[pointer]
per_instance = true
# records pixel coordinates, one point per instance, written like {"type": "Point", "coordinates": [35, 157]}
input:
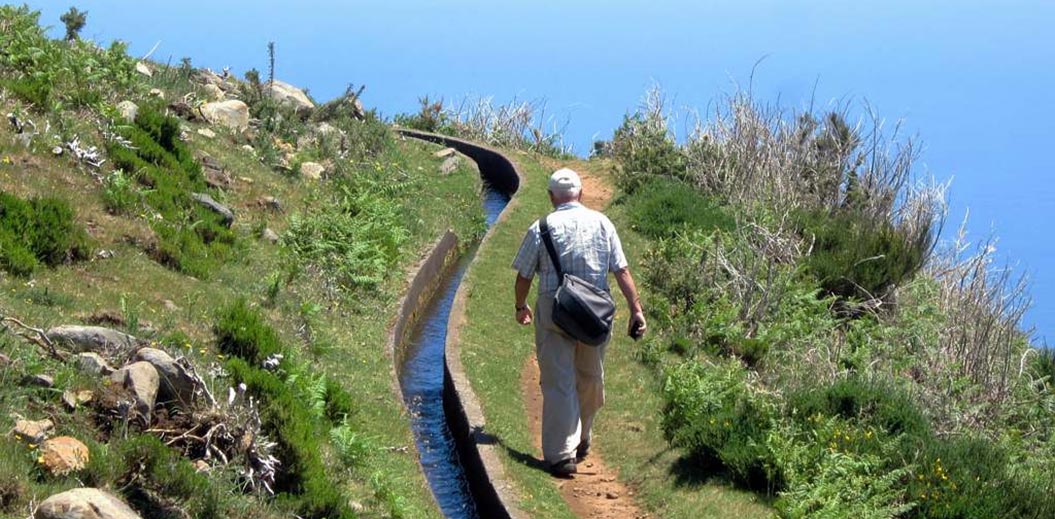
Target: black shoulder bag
{"type": "Point", "coordinates": [582, 310]}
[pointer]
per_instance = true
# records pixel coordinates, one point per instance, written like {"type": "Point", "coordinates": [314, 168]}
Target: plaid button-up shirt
{"type": "Point", "coordinates": [586, 242]}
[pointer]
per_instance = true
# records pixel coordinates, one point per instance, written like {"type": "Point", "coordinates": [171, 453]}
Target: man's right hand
{"type": "Point", "coordinates": [637, 326]}
{"type": "Point", "coordinates": [524, 315]}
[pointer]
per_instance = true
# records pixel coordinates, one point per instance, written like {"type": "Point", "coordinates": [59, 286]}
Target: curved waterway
{"type": "Point", "coordinates": [421, 377]}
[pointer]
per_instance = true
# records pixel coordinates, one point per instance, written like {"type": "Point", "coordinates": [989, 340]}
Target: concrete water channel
{"type": "Point", "coordinates": [451, 465]}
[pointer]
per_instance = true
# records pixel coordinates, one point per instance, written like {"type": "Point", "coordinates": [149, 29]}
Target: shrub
{"type": "Point", "coordinates": [865, 401]}
{"type": "Point", "coordinates": [663, 205]}
{"type": "Point", "coordinates": [431, 117]}
{"type": "Point", "coordinates": [714, 412]}
{"type": "Point", "coordinates": [242, 332]}
{"type": "Point", "coordinates": [644, 148]}
{"type": "Point", "coordinates": [856, 257]}
{"type": "Point", "coordinates": [41, 230]}
{"type": "Point", "coordinates": [191, 238]}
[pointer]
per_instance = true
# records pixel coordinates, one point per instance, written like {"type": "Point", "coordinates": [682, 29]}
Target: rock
{"type": "Point", "coordinates": [142, 380]}
{"type": "Point", "coordinates": [90, 338]}
{"type": "Point", "coordinates": [216, 175]}
{"type": "Point", "coordinates": [612, 495]}
{"type": "Point", "coordinates": [84, 503]}
{"type": "Point", "coordinates": [232, 114]}
{"type": "Point", "coordinates": [270, 236]}
{"type": "Point", "coordinates": [290, 95]}
{"type": "Point", "coordinates": [201, 465]}
{"type": "Point", "coordinates": [93, 363]}
{"type": "Point", "coordinates": [185, 111]}
{"type": "Point", "coordinates": [38, 381]}
{"type": "Point", "coordinates": [144, 69]}
{"type": "Point", "coordinates": [213, 92]}
{"type": "Point", "coordinates": [5, 361]}
{"type": "Point", "coordinates": [356, 507]}
{"type": "Point", "coordinates": [156, 92]}
{"type": "Point", "coordinates": [207, 133]}
{"type": "Point", "coordinates": [63, 455]}
{"type": "Point", "coordinates": [216, 207]}
{"type": "Point", "coordinates": [249, 149]}
{"type": "Point", "coordinates": [449, 164]}
{"type": "Point", "coordinates": [312, 170]}
{"type": "Point", "coordinates": [444, 153]}
{"type": "Point", "coordinates": [206, 77]}
{"type": "Point", "coordinates": [271, 203]}
{"type": "Point", "coordinates": [32, 432]}
{"type": "Point", "coordinates": [170, 306]}
{"type": "Point", "coordinates": [176, 383]}
{"type": "Point", "coordinates": [128, 110]}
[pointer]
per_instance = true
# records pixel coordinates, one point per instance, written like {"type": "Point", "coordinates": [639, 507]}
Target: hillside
{"type": "Point", "coordinates": [199, 273]}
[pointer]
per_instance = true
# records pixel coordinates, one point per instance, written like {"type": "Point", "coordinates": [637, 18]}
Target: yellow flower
{"type": "Point", "coordinates": [40, 459]}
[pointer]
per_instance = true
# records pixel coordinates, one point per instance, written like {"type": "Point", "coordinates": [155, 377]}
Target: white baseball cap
{"type": "Point", "coordinates": [564, 180]}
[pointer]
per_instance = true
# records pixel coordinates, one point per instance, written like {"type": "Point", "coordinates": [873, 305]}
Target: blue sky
{"type": "Point", "coordinates": [973, 79]}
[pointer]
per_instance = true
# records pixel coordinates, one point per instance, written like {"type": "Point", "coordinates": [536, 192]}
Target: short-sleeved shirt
{"type": "Point", "coordinates": [586, 242]}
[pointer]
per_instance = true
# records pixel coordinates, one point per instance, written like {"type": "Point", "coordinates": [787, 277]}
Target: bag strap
{"type": "Point", "coordinates": [548, 240]}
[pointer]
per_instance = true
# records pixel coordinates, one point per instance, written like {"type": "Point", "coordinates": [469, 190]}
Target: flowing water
{"type": "Point", "coordinates": [421, 378]}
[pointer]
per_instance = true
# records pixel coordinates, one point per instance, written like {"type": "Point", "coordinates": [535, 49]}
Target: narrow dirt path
{"type": "Point", "coordinates": [595, 491]}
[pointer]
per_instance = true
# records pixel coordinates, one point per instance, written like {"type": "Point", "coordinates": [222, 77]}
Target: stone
{"type": "Point", "coordinates": [201, 465]}
{"type": "Point", "coordinates": [206, 77]}
{"type": "Point", "coordinates": [93, 363]}
{"type": "Point", "coordinates": [157, 92]}
{"type": "Point", "coordinates": [5, 361]}
{"type": "Point", "coordinates": [90, 338]}
{"type": "Point", "coordinates": [207, 133]}
{"type": "Point", "coordinates": [38, 380]}
{"type": "Point", "coordinates": [63, 455]}
{"type": "Point", "coordinates": [214, 206]}
{"type": "Point", "coordinates": [170, 305]}
{"type": "Point", "coordinates": [185, 111]}
{"type": "Point", "coordinates": [312, 170]}
{"type": "Point", "coordinates": [449, 164]}
{"type": "Point", "coordinates": [444, 153]}
{"type": "Point", "coordinates": [271, 203]}
{"type": "Point", "coordinates": [143, 381]}
{"type": "Point", "coordinates": [144, 69]}
{"type": "Point", "coordinates": [128, 110]}
{"type": "Point", "coordinates": [248, 149]}
{"type": "Point", "coordinates": [84, 503]}
{"type": "Point", "coordinates": [216, 175]}
{"type": "Point", "coordinates": [290, 95]}
{"type": "Point", "coordinates": [270, 236]}
{"type": "Point", "coordinates": [176, 383]}
{"type": "Point", "coordinates": [32, 432]}
{"type": "Point", "coordinates": [232, 114]}
{"type": "Point", "coordinates": [213, 92]}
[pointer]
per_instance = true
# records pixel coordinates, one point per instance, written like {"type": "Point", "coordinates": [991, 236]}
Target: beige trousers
{"type": "Point", "coordinates": [572, 380]}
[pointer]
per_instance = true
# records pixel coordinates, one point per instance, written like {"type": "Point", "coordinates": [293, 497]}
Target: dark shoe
{"type": "Point", "coordinates": [563, 468]}
{"type": "Point", "coordinates": [582, 451]}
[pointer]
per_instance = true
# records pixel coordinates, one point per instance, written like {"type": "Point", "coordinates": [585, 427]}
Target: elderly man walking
{"type": "Point", "coordinates": [572, 373]}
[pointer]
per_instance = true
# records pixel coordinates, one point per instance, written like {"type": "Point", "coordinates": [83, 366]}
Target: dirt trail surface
{"type": "Point", "coordinates": [595, 491]}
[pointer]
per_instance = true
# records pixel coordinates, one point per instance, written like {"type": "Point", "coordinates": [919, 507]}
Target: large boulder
{"type": "Point", "coordinates": [176, 383]}
{"type": "Point", "coordinates": [142, 380]}
{"type": "Point", "coordinates": [232, 114]}
{"type": "Point", "coordinates": [63, 455]}
{"type": "Point", "coordinates": [90, 338]}
{"type": "Point", "coordinates": [84, 503]}
{"type": "Point", "coordinates": [214, 206]}
{"type": "Point", "coordinates": [291, 96]}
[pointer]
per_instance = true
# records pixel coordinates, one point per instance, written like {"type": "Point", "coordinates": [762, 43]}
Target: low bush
{"type": "Point", "coordinates": [856, 257]}
{"type": "Point", "coordinates": [644, 149]}
{"type": "Point", "coordinates": [713, 411]}
{"type": "Point", "coordinates": [869, 402]}
{"type": "Point", "coordinates": [40, 230]}
{"type": "Point", "coordinates": [664, 205]}
{"type": "Point", "coordinates": [191, 238]}
{"type": "Point", "coordinates": [288, 412]}
{"type": "Point", "coordinates": [242, 332]}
